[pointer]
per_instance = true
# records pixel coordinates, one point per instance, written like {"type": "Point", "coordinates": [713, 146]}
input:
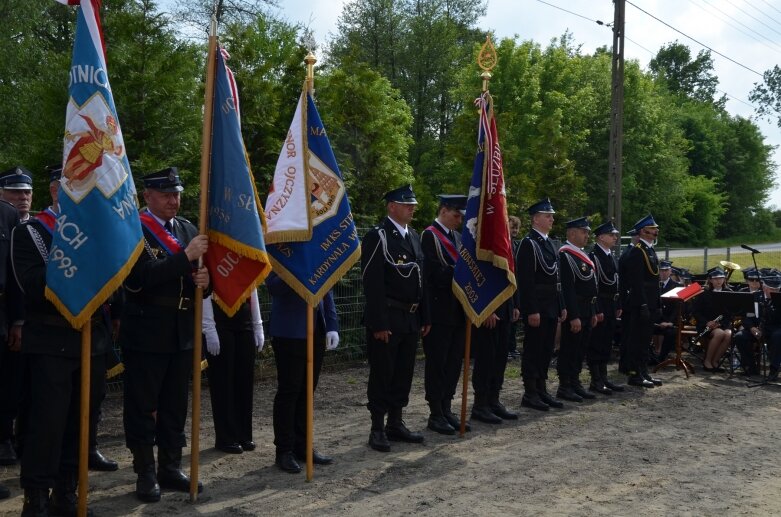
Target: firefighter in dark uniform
{"type": "Point", "coordinates": [444, 344]}
{"type": "Point", "coordinates": [579, 288]}
{"type": "Point", "coordinates": [642, 284]}
{"type": "Point", "coordinates": [623, 357]}
{"type": "Point", "coordinates": [9, 218]}
{"type": "Point", "coordinates": [665, 327]}
{"type": "Point", "coordinates": [601, 342]}
{"type": "Point", "coordinates": [52, 350]}
{"type": "Point", "coordinates": [749, 338]}
{"type": "Point", "coordinates": [541, 305]}
{"type": "Point", "coordinates": [395, 315]}
{"type": "Point", "coordinates": [156, 336]}
{"type": "Point", "coordinates": [15, 189]}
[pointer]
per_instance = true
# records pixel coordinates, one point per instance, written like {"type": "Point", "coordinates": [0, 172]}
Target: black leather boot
{"type": "Point", "coordinates": [169, 470]}
{"type": "Point", "coordinates": [606, 381]}
{"type": "Point", "coordinates": [566, 392]}
{"type": "Point", "coordinates": [498, 409]}
{"type": "Point", "coordinates": [452, 419]}
{"type": "Point", "coordinates": [545, 397]}
{"type": "Point", "coordinates": [483, 413]}
{"type": "Point", "coordinates": [64, 501]}
{"type": "Point", "coordinates": [147, 488]}
{"type": "Point", "coordinates": [397, 431]}
{"type": "Point", "coordinates": [36, 502]}
{"type": "Point", "coordinates": [377, 438]}
{"type": "Point", "coordinates": [597, 382]}
{"type": "Point", "coordinates": [100, 463]}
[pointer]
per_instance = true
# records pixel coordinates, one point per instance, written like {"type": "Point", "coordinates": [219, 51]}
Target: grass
{"type": "Point", "coordinates": [696, 263]}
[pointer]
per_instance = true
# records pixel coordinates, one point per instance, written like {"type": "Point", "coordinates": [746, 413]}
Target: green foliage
{"type": "Point", "coordinates": [767, 95]}
{"type": "Point", "coordinates": [681, 75]}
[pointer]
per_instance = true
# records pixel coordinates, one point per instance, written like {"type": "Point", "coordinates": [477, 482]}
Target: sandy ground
{"type": "Point", "coordinates": [703, 446]}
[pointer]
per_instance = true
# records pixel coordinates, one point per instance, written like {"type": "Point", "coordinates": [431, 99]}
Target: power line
{"type": "Point", "coordinates": [694, 40]}
{"type": "Point", "coordinates": [772, 6]}
{"type": "Point", "coordinates": [763, 13]}
{"type": "Point", "coordinates": [753, 17]}
{"type": "Point", "coordinates": [728, 20]}
{"type": "Point", "coordinates": [571, 12]}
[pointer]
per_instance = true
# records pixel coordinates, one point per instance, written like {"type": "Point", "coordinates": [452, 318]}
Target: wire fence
{"type": "Point", "coordinates": [349, 299]}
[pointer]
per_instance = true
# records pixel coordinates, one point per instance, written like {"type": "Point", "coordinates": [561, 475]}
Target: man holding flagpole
{"type": "Point", "coordinates": [396, 315]}
{"type": "Point", "coordinates": [156, 336]}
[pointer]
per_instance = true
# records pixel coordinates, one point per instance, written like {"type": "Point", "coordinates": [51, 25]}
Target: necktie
{"type": "Point", "coordinates": [168, 227]}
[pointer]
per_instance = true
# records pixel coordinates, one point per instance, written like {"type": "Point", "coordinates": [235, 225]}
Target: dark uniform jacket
{"type": "Point", "coordinates": [438, 270]}
{"type": "Point", "coordinates": [578, 286]}
{"type": "Point", "coordinates": [705, 310]}
{"type": "Point", "coordinates": [393, 280]}
{"type": "Point", "coordinates": [642, 277]}
{"type": "Point", "coordinates": [538, 280]}
{"type": "Point", "coordinates": [11, 304]}
{"type": "Point", "coordinates": [608, 280]}
{"type": "Point", "coordinates": [158, 313]}
{"type": "Point", "coordinates": [45, 330]}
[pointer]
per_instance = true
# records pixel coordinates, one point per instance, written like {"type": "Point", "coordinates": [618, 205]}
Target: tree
{"type": "Point", "coordinates": [674, 67]}
{"type": "Point", "coordinates": [194, 16]}
{"type": "Point", "coordinates": [767, 95]}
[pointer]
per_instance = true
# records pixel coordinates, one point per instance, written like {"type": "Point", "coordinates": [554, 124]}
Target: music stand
{"type": "Point", "coordinates": [679, 296]}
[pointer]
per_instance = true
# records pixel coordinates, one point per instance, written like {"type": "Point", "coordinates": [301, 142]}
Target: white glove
{"type": "Point", "coordinates": [331, 340]}
{"type": "Point", "coordinates": [210, 328]}
{"type": "Point", "coordinates": [260, 339]}
{"type": "Point", "coordinates": [257, 322]}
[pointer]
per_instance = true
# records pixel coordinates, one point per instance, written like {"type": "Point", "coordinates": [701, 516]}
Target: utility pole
{"type": "Point", "coordinates": [616, 118]}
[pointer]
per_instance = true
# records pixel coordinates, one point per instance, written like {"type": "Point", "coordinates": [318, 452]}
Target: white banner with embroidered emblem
{"type": "Point", "coordinates": [97, 238]}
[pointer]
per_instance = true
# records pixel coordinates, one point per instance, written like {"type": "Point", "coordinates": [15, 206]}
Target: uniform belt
{"type": "Point", "coordinates": [182, 304]}
{"type": "Point", "coordinates": [609, 296]}
{"type": "Point", "coordinates": [405, 306]}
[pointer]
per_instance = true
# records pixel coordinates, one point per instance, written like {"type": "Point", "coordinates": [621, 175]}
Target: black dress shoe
{"type": "Point", "coordinates": [455, 422]}
{"type": "Point", "coordinates": [7, 453]}
{"type": "Point", "coordinates": [287, 462]}
{"type": "Point", "coordinates": [230, 448]}
{"type": "Point", "coordinates": [498, 409]}
{"type": "Point", "coordinates": [600, 388]}
{"type": "Point", "coordinates": [439, 424]}
{"type": "Point", "coordinates": [98, 462]}
{"type": "Point", "coordinates": [175, 479]}
{"type": "Point", "coordinates": [657, 382]}
{"type": "Point", "coordinates": [398, 432]}
{"type": "Point", "coordinates": [568, 394]}
{"type": "Point", "coordinates": [147, 488]}
{"type": "Point", "coordinates": [582, 392]}
{"type": "Point", "coordinates": [317, 458]}
{"type": "Point", "coordinates": [613, 387]}
{"type": "Point", "coordinates": [549, 400]}
{"type": "Point", "coordinates": [484, 414]}
{"type": "Point", "coordinates": [636, 380]}
{"type": "Point", "coordinates": [247, 446]}
{"type": "Point", "coordinates": [378, 441]}
{"type": "Point", "coordinates": [535, 401]}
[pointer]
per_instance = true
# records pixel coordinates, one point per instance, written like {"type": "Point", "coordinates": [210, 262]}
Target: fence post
{"type": "Point", "coordinates": [667, 253]}
{"type": "Point", "coordinates": [705, 260]}
{"type": "Point", "coordinates": [729, 249]}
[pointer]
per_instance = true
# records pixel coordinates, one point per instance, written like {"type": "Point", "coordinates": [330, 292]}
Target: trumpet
{"type": "Point", "coordinates": [708, 330]}
{"type": "Point", "coordinates": [729, 267]}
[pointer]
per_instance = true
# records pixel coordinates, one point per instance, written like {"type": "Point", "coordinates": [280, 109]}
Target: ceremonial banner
{"type": "Point", "coordinates": [484, 275]}
{"type": "Point", "coordinates": [307, 211]}
{"type": "Point", "coordinates": [98, 237]}
{"type": "Point", "coordinates": [236, 258]}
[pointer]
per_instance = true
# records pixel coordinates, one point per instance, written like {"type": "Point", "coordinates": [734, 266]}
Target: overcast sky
{"type": "Point", "coordinates": [745, 31]}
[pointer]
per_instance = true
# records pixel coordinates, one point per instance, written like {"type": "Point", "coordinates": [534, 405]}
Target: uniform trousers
{"type": "Point", "coordinates": [52, 430]}
{"type": "Point", "coordinates": [391, 367]}
{"type": "Point", "coordinates": [638, 341]}
{"type": "Point", "coordinates": [290, 400]}
{"type": "Point", "coordinates": [490, 352]}
{"type": "Point", "coordinates": [600, 344]}
{"type": "Point", "coordinates": [231, 384]}
{"type": "Point", "coordinates": [572, 349]}
{"type": "Point", "coordinates": [538, 343]}
{"type": "Point", "coordinates": [11, 367]}
{"type": "Point", "coordinates": [157, 387]}
{"type": "Point", "coordinates": [444, 348]}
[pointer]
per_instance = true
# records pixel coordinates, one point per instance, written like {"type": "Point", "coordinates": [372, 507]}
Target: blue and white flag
{"type": "Point", "coordinates": [311, 235]}
{"type": "Point", "coordinates": [97, 237]}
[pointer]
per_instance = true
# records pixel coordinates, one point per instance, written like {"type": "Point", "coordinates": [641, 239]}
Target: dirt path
{"type": "Point", "coordinates": [704, 446]}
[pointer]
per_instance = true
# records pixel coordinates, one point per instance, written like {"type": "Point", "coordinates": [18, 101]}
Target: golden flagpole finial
{"type": "Point", "coordinates": [310, 60]}
{"type": "Point", "coordinates": [486, 60]}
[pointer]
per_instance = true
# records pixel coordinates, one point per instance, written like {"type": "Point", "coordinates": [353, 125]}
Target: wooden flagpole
{"type": "Point", "coordinates": [86, 350]}
{"type": "Point", "coordinates": [465, 387]}
{"type": "Point", "coordinates": [206, 142]}
{"type": "Point", "coordinates": [310, 61]}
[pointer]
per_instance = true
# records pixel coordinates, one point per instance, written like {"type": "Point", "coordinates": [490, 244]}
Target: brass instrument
{"type": "Point", "coordinates": [729, 267]}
